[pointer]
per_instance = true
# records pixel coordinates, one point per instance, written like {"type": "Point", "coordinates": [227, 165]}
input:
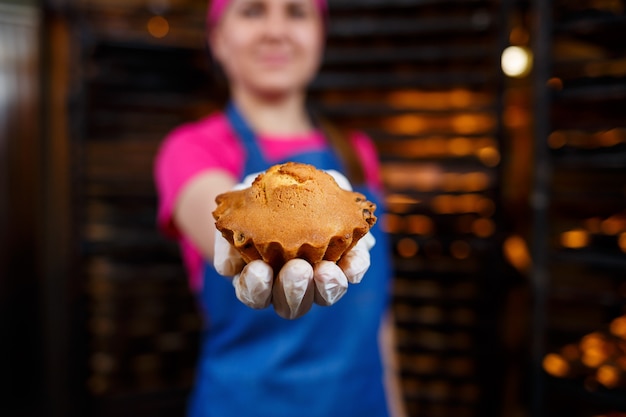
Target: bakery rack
{"type": "Point", "coordinates": [579, 198]}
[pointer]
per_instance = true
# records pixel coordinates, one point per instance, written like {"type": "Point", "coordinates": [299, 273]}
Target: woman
{"type": "Point", "coordinates": [253, 362]}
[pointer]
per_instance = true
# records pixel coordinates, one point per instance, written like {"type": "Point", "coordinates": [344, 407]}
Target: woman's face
{"type": "Point", "coordinates": [269, 47]}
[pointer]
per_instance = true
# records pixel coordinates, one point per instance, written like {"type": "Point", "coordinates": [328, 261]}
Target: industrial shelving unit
{"type": "Point", "coordinates": [579, 202]}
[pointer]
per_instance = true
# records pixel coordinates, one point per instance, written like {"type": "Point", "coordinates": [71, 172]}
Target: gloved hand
{"type": "Point", "coordinates": [298, 284]}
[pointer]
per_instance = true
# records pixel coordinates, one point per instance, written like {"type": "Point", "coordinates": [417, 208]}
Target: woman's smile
{"type": "Point", "coordinates": [269, 47]}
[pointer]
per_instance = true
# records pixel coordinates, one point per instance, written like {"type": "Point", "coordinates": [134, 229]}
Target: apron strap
{"type": "Point", "coordinates": [255, 161]}
{"type": "Point", "coordinates": [340, 155]}
{"type": "Point", "coordinates": [339, 141]}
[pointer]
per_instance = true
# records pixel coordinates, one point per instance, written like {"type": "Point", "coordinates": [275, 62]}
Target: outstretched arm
{"type": "Point", "coordinates": [196, 202]}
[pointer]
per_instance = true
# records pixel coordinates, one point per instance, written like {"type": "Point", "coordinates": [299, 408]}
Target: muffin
{"type": "Point", "coordinates": [293, 210]}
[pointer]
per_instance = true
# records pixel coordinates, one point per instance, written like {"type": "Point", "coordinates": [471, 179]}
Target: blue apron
{"type": "Point", "coordinates": [325, 364]}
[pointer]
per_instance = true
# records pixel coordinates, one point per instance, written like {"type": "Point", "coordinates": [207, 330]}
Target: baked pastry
{"type": "Point", "coordinates": [293, 210]}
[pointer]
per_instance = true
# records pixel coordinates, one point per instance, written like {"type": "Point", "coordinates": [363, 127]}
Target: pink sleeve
{"type": "Point", "coordinates": [187, 151]}
{"type": "Point", "coordinates": [368, 154]}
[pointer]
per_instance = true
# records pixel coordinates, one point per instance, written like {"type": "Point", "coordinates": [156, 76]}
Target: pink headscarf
{"type": "Point", "coordinates": [217, 8]}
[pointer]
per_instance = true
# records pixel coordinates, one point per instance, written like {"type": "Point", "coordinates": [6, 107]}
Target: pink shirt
{"type": "Point", "coordinates": [211, 144]}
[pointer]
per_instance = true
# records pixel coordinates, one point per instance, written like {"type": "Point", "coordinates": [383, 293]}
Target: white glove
{"type": "Point", "coordinates": [298, 284]}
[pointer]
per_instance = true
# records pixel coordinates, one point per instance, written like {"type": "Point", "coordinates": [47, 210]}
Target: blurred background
{"type": "Point", "coordinates": [501, 127]}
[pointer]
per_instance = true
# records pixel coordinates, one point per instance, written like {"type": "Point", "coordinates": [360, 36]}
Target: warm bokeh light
{"type": "Point", "coordinates": [593, 357]}
{"type": "Point", "coordinates": [464, 203]}
{"type": "Point", "coordinates": [485, 148]}
{"type": "Point", "coordinates": [515, 116]}
{"type": "Point", "coordinates": [407, 124]}
{"type": "Point", "coordinates": [485, 207]}
{"type": "Point", "coordinates": [489, 156]}
{"type": "Point", "coordinates": [419, 225]}
{"type": "Point", "coordinates": [555, 365]}
{"type": "Point", "coordinates": [423, 177]}
{"type": "Point", "coordinates": [392, 223]}
{"type": "Point", "coordinates": [599, 356]}
{"type": "Point", "coordinates": [460, 146]}
{"type": "Point", "coordinates": [467, 203]}
{"type": "Point", "coordinates": [399, 203]}
{"type": "Point", "coordinates": [557, 139]}
{"type": "Point", "coordinates": [516, 61]}
{"type": "Point", "coordinates": [517, 253]}
{"type": "Point", "coordinates": [443, 204]}
{"type": "Point", "coordinates": [461, 98]}
{"type": "Point", "coordinates": [451, 181]}
{"type": "Point", "coordinates": [483, 227]}
{"type": "Point", "coordinates": [434, 147]}
{"type": "Point", "coordinates": [594, 350]}
{"type": "Point", "coordinates": [407, 247]}
{"type": "Point", "coordinates": [587, 140]}
{"type": "Point", "coordinates": [610, 137]}
{"type": "Point", "coordinates": [593, 224]}
{"type": "Point", "coordinates": [475, 181]}
{"type": "Point", "coordinates": [158, 26]}
{"type": "Point", "coordinates": [416, 99]}
{"type": "Point", "coordinates": [608, 376]}
{"type": "Point", "coordinates": [555, 83]}
{"type": "Point", "coordinates": [618, 327]}
{"type": "Point", "coordinates": [592, 341]}
{"type": "Point", "coordinates": [613, 225]}
{"type": "Point", "coordinates": [575, 239]}
{"type": "Point", "coordinates": [466, 124]}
